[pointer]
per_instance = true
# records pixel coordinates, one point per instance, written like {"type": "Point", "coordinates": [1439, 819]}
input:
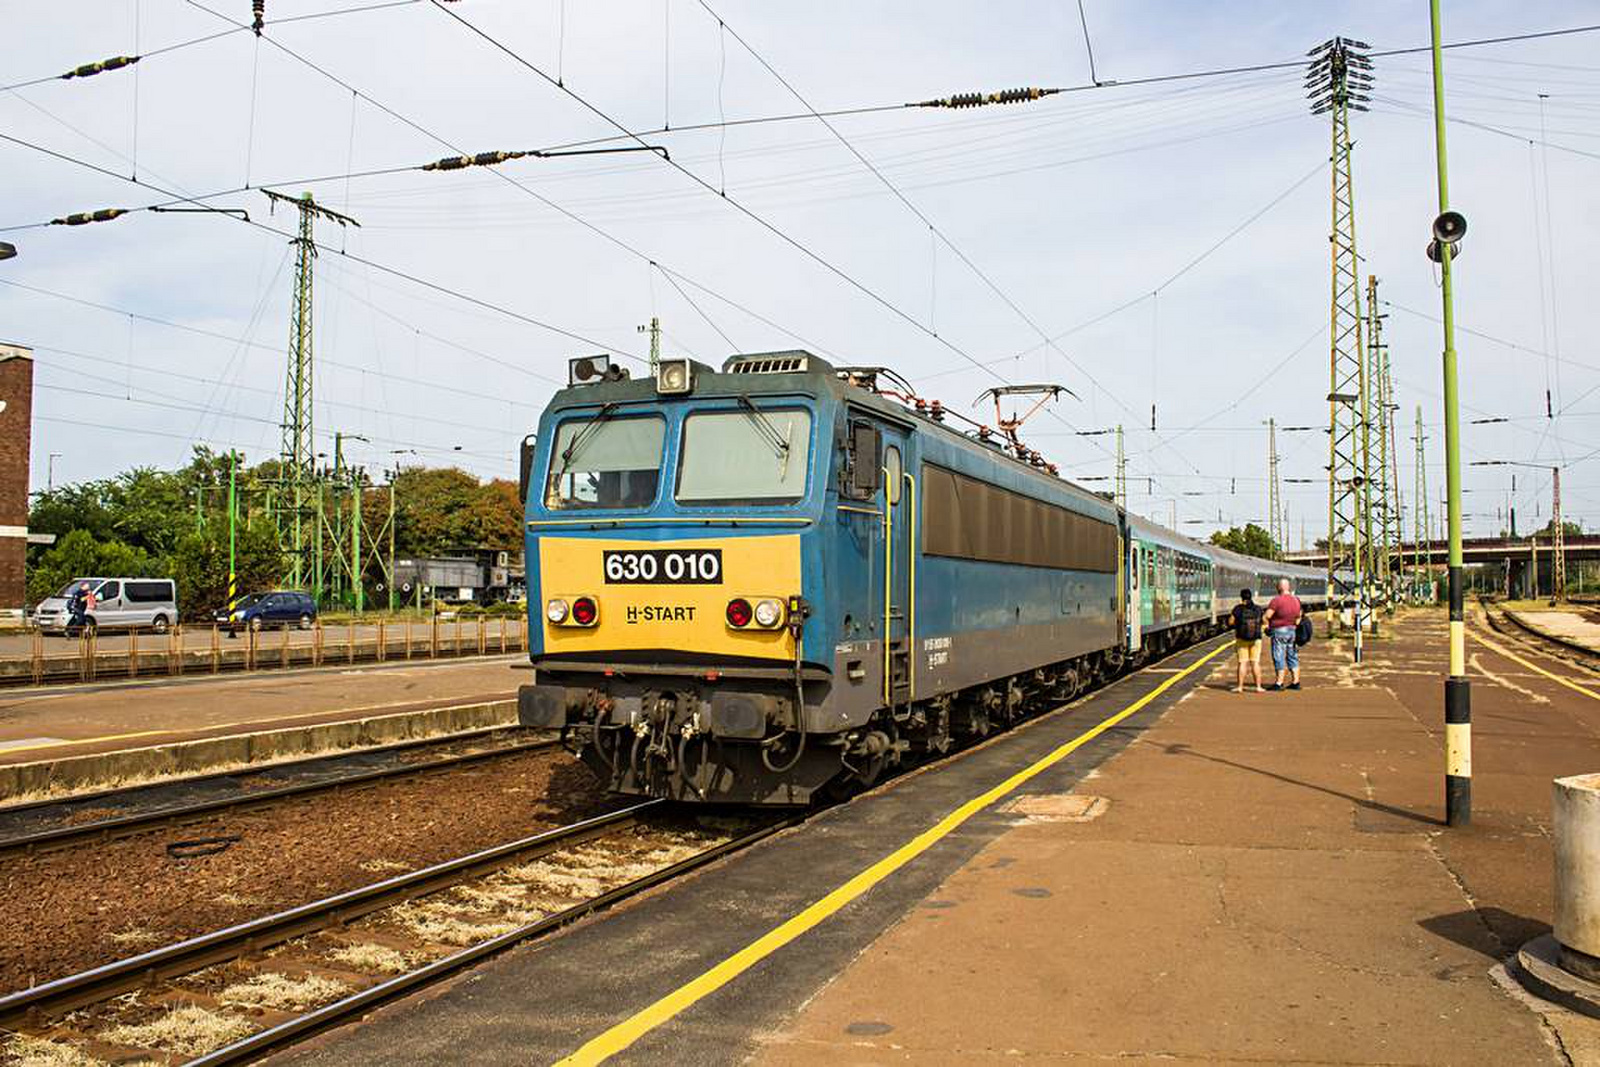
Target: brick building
{"type": "Point", "coordinates": [16, 441]}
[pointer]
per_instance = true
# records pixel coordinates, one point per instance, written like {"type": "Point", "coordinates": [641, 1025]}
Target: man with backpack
{"type": "Point", "coordinates": [1246, 621]}
{"type": "Point", "coordinates": [1282, 621]}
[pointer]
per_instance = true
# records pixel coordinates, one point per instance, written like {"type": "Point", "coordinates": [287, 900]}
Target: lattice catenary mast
{"type": "Point", "coordinates": [1277, 521]}
{"type": "Point", "coordinates": [1337, 79]}
{"type": "Point", "coordinates": [1421, 531]}
{"type": "Point", "coordinates": [1381, 523]}
{"type": "Point", "coordinates": [297, 471]}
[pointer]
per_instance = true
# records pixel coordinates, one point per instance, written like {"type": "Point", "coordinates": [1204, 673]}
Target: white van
{"type": "Point", "coordinates": [120, 604]}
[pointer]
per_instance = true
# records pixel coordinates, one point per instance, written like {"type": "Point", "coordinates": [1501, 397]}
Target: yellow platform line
{"type": "Point", "coordinates": [625, 1033]}
{"type": "Point", "coordinates": [1506, 652]}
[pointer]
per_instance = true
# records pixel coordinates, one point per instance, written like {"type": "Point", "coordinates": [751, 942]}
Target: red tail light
{"type": "Point", "coordinates": [739, 613]}
{"type": "Point", "coordinates": [584, 611]}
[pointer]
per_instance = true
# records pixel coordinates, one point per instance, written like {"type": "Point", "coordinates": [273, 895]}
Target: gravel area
{"type": "Point", "coordinates": [63, 912]}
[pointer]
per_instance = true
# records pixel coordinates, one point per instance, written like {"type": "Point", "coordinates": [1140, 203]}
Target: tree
{"type": "Point", "coordinates": [1252, 540]}
{"type": "Point", "coordinates": [199, 566]}
{"type": "Point", "coordinates": [80, 554]}
{"type": "Point", "coordinates": [446, 509]}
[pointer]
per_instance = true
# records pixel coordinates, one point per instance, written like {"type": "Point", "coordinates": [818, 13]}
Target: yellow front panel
{"type": "Point", "coordinates": [666, 616]}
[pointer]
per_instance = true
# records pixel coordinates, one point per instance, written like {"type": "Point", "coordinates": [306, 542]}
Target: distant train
{"type": "Point", "coordinates": [774, 582]}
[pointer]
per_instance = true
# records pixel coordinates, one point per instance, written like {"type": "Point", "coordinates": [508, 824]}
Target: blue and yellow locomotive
{"type": "Point", "coordinates": [763, 583]}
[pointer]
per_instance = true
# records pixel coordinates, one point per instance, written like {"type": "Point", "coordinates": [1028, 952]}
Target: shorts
{"type": "Point", "coordinates": [1285, 654]}
{"type": "Point", "coordinates": [1249, 651]}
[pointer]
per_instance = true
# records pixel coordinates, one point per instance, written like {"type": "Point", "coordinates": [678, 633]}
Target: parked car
{"type": "Point", "coordinates": [281, 607]}
{"type": "Point", "coordinates": [120, 604]}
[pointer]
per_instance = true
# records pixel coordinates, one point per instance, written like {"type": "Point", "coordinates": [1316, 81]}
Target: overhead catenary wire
{"type": "Point", "coordinates": [573, 216]}
{"type": "Point", "coordinates": [119, 62]}
{"type": "Point", "coordinates": [933, 228]}
{"type": "Point", "coordinates": [384, 268]}
{"type": "Point", "coordinates": [765, 223]}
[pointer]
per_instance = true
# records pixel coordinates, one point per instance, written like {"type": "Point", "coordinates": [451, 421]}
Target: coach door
{"type": "Point", "coordinates": [899, 499]}
{"type": "Point", "coordinates": [1134, 609]}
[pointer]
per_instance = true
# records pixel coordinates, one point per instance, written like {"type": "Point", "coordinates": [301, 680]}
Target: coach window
{"type": "Point", "coordinates": [753, 454]}
{"type": "Point", "coordinates": [891, 479]}
{"type": "Point", "coordinates": [606, 463]}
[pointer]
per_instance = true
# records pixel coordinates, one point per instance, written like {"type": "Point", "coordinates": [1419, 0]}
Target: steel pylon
{"type": "Point", "coordinates": [1337, 77]}
{"type": "Point", "coordinates": [1421, 529]}
{"type": "Point", "coordinates": [1277, 521]}
{"type": "Point", "coordinates": [299, 520]}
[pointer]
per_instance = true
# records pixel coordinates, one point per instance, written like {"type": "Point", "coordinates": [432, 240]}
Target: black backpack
{"type": "Point", "coordinates": [1303, 632]}
{"type": "Point", "coordinates": [1247, 622]}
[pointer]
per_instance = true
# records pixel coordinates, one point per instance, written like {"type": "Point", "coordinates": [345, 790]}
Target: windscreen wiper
{"type": "Point", "coordinates": [582, 437]}
{"type": "Point", "coordinates": [765, 426]}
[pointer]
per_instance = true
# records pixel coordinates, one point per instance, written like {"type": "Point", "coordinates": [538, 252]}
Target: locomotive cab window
{"type": "Point", "coordinates": [605, 462]}
{"type": "Point", "coordinates": [755, 454]}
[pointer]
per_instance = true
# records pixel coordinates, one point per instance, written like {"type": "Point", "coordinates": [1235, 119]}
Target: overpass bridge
{"type": "Point", "coordinates": [1526, 562]}
{"type": "Point", "coordinates": [1473, 550]}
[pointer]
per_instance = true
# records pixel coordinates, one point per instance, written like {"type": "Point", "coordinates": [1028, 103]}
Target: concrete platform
{"type": "Point", "coordinates": [64, 736]}
{"type": "Point", "coordinates": [1569, 627]}
{"type": "Point", "coordinates": [1218, 878]}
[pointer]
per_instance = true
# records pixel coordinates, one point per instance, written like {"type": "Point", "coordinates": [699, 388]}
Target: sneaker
{"type": "Point", "coordinates": [1273, 688]}
{"type": "Point", "coordinates": [1294, 685]}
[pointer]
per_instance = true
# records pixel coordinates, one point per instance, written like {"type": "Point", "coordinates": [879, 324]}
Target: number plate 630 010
{"type": "Point", "coordinates": [664, 566]}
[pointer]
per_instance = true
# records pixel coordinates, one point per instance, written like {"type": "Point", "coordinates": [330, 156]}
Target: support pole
{"type": "Point", "coordinates": [1457, 689]}
{"type": "Point", "coordinates": [357, 586]}
{"type": "Point", "coordinates": [233, 511]}
{"type": "Point", "coordinates": [389, 581]}
{"type": "Point", "coordinates": [1558, 558]}
{"type": "Point", "coordinates": [1121, 493]}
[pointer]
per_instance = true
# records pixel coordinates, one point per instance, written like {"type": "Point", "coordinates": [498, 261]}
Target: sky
{"type": "Point", "coordinates": [1163, 243]}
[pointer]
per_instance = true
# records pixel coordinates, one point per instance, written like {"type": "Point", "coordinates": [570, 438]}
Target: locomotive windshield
{"type": "Point", "coordinates": [754, 454]}
{"type": "Point", "coordinates": [605, 462]}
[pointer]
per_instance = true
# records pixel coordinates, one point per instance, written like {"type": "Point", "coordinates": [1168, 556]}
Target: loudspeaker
{"type": "Point", "coordinates": [1450, 226]}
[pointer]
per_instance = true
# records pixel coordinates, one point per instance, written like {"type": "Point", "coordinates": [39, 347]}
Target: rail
{"type": "Point", "coordinates": [171, 961]}
{"type": "Point", "coordinates": [174, 814]}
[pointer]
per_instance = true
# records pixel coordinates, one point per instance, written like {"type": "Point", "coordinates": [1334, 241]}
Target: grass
{"type": "Point", "coordinates": [282, 991]}
{"type": "Point", "coordinates": [446, 924]}
{"type": "Point", "coordinates": [39, 1052]}
{"type": "Point", "coordinates": [134, 937]}
{"type": "Point", "coordinates": [374, 958]}
{"type": "Point", "coordinates": [187, 1031]}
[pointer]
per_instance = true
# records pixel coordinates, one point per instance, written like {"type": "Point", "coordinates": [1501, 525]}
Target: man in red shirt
{"type": "Point", "coordinates": [1281, 619]}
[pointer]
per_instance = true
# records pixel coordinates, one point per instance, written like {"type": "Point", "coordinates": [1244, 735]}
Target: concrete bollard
{"type": "Point", "coordinates": [1575, 816]}
{"type": "Point", "coordinates": [1564, 965]}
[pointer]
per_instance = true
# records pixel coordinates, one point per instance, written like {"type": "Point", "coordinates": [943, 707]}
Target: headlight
{"type": "Point", "coordinates": [769, 613]}
{"type": "Point", "coordinates": [585, 611]}
{"type": "Point", "coordinates": [673, 377]}
{"type": "Point", "coordinates": [556, 611]}
{"type": "Point", "coordinates": [738, 613]}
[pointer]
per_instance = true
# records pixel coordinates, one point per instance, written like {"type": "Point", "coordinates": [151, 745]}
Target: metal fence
{"type": "Point", "coordinates": [172, 654]}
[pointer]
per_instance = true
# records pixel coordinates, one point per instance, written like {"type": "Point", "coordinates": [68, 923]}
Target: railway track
{"type": "Point", "coordinates": [1506, 624]}
{"type": "Point", "coordinates": [109, 814]}
{"type": "Point", "coordinates": [235, 994]}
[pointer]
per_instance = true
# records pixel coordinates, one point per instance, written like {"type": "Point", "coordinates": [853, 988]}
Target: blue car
{"type": "Point", "coordinates": [280, 608]}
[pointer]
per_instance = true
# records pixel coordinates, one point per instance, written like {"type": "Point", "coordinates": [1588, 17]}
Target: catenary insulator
{"type": "Point", "coordinates": [482, 159]}
{"type": "Point", "coordinates": [105, 214]}
{"type": "Point", "coordinates": [91, 69]}
{"type": "Point", "coordinates": [1005, 96]}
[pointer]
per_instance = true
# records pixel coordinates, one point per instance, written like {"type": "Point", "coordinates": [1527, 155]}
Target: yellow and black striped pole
{"type": "Point", "coordinates": [233, 510]}
{"type": "Point", "coordinates": [1447, 229]}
